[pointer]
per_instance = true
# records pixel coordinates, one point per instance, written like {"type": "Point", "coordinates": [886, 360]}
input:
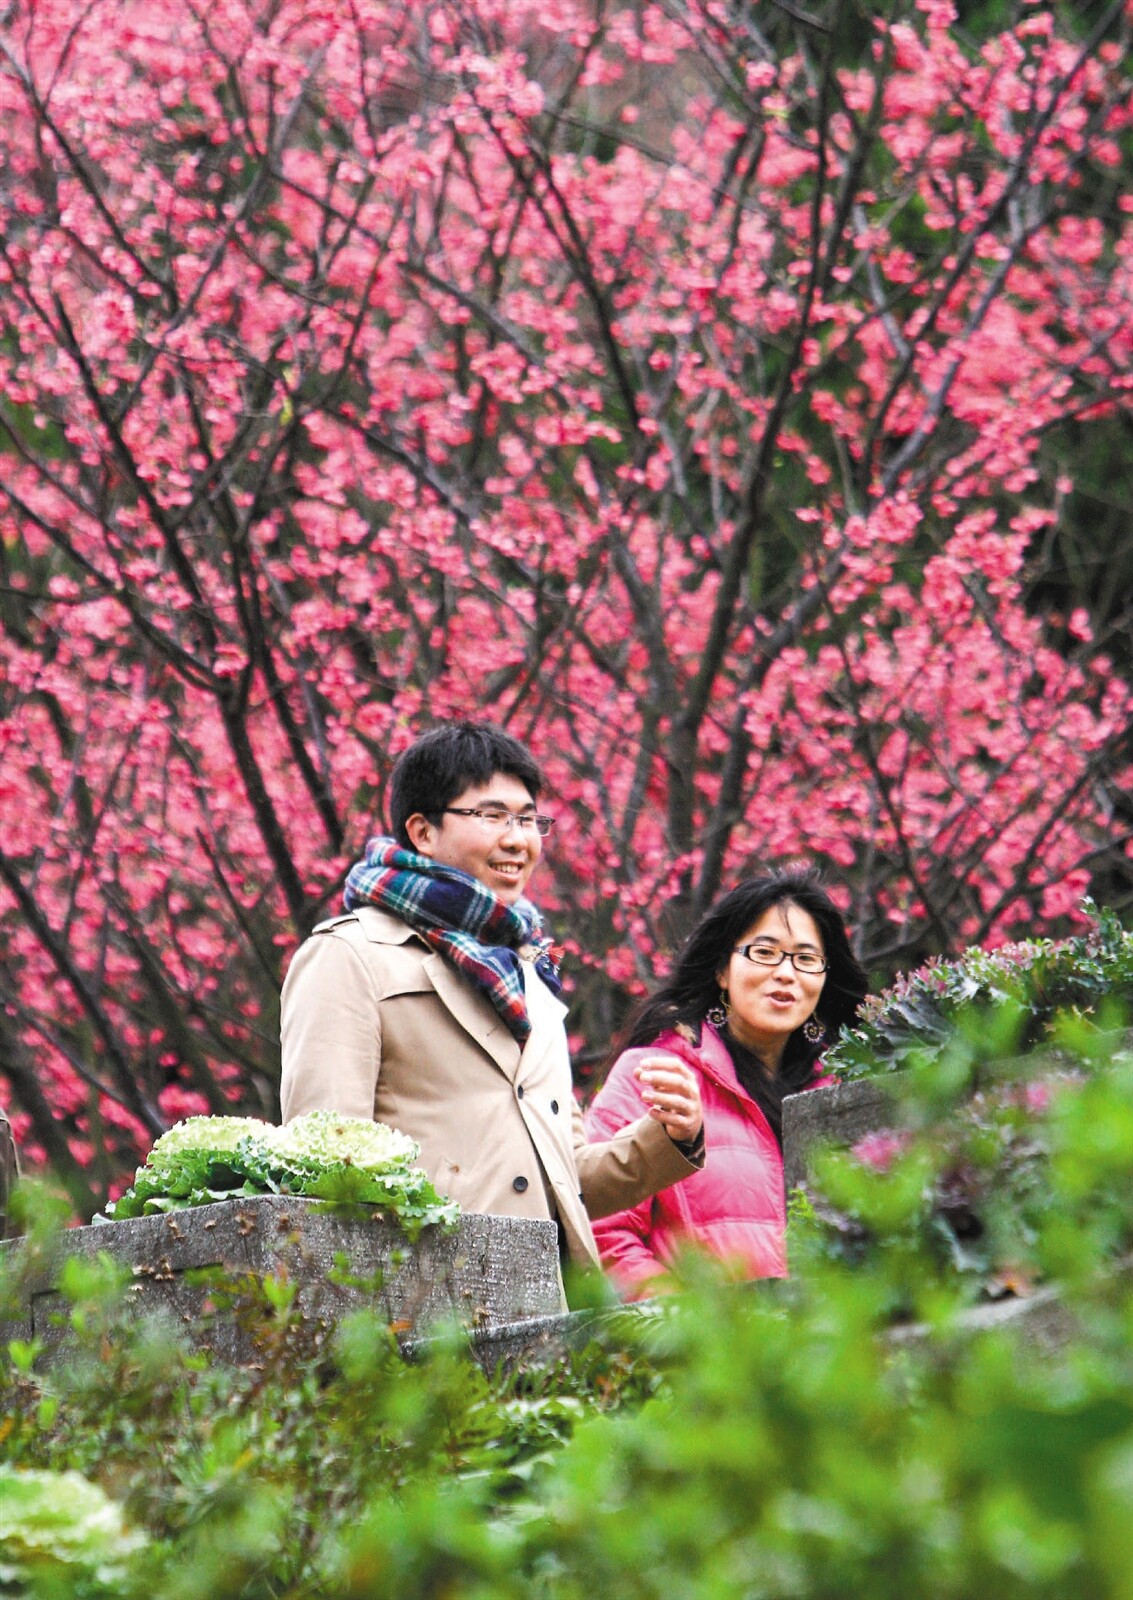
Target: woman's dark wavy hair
{"type": "Point", "coordinates": [692, 987]}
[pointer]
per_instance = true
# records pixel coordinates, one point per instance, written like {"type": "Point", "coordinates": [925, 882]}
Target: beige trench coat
{"type": "Point", "coordinates": [375, 1024]}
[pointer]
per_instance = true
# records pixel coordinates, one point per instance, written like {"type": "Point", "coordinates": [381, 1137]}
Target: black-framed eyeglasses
{"type": "Point", "coordinates": [500, 819]}
{"type": "Point", "coordinates": [770, 955]}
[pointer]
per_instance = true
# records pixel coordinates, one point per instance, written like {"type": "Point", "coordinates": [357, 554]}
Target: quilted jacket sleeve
{"type": "Point", "coordinates": [624, 1238]}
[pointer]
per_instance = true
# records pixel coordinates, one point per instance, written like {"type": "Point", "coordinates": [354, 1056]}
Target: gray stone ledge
{"type": "Point", "coordinates": [1042, 1320]}
{"type": "Point", "coordinates": [839, 1115]}
{"type": "Point", "coordinates": [534, 1342]}
{"type": "Point", "coordinates": [1043, 1323]}
{"type": "Point", "coordinates": [490, 1271]}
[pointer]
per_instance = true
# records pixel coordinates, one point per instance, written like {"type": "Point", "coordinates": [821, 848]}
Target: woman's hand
{"type": "Point", "coordinates": [671, 1091]}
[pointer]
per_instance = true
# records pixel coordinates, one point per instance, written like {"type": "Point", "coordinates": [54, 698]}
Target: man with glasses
{"type": "Point", "coordinates": [432, 1004]}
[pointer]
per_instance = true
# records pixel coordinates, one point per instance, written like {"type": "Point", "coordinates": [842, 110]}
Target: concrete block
{"type": "Point", "coordinates": [838, 1115]}
{"type": "Point", "coordinates": [491, 1271]}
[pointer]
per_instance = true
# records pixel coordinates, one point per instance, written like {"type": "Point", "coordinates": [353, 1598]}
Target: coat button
{"type": "Point", "coordinates": [555, 1107]}
{"type": "Point", "coordinates": [519, 1092]}
{"type": "Point", "coordinates": [519, 1184]}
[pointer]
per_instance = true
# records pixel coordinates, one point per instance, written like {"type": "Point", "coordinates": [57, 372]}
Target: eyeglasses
{"type": "Point", "coordinates": [499, 819]}
{"type": "Point", "coordinates": [770, 955]}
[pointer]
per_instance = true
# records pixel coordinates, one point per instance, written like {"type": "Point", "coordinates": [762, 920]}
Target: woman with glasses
{"type": "Point", "coordinates": [764, 982]}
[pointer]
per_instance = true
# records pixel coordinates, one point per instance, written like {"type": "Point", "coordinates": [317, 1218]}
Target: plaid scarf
{"type": "Point", "coordinates": [458, 916]}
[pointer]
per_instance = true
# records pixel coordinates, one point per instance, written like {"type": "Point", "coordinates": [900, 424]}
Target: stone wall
{"type": "Point", "coordinates": [9, 1170]}
{"type": "Point", "coordinates": [498, 1277]}
{"type": "Point", "coordinates": [839, 1115]}
{"type": "Point", "coordinates": [488, 1273]}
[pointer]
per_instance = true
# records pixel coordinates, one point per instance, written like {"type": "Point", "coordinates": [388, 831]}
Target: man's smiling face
{"type": "Point", "coordinates": [501, 858]}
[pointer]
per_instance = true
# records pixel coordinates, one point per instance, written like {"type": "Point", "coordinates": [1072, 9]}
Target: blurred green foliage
{"type": "Point", "coordinates": [841, 1433]}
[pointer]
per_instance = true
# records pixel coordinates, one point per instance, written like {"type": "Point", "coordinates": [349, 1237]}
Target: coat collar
{"type": "Point", "coordinates": [380, 927]}
{"type": "Point", "coordinates": [714, 1059]}
{"type": "Point", "coordinates": [711, 1056]}
{"type": "Point", "coordinates": [475, 1014]}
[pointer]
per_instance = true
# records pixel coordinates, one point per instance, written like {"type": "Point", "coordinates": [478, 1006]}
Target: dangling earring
{"type": "Point", "coordinates": [719, 1013]}
{"type": "Point", "coordinates": [813, 1031]}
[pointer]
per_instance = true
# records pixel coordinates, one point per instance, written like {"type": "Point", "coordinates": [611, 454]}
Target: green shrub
{"type": "Point", "coordinates": [243, 1476]}
{"type": "Point", "coordinates": [994, 1051]}
{"type": "Point", "coordinates": [1028, 986]}
{"type": "Point", "coordinates": [837, 1434]}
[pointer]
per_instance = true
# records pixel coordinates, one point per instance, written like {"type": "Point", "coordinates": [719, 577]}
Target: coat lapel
{"type": "Point", "coordinates": [475, 1014]}
{"type": "Point", "coordinates": [546, 1012]}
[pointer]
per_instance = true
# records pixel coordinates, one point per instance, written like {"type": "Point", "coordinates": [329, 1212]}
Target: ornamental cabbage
{"type": "Point", "coordinates": [327, 1138]}
{"type": "Point", "coordinates": [195, 1162]}
{"type": "Point", "coordinates": [1037, 979]}
{"type": "Point", "coordinates": [62, 1536]}
{"type": "Point", "coordinates": [348, 1160]}
{"type": "Point", "coordinates": [196, 1133]}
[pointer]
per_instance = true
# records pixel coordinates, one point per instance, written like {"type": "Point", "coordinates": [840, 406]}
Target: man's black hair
{"type": "Point", "coordinates": [448, 759]}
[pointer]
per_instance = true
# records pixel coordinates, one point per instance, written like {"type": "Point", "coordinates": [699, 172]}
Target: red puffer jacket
{"type": "Point", "coordinates": [734, 1208]}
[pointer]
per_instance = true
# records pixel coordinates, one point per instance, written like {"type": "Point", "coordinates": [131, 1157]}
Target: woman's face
{"type": "Point", "coordinates": [769, 1002]}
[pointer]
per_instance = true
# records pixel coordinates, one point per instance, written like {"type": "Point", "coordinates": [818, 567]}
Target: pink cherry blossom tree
{"type": "Point", "coordinates": [677, 384]}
